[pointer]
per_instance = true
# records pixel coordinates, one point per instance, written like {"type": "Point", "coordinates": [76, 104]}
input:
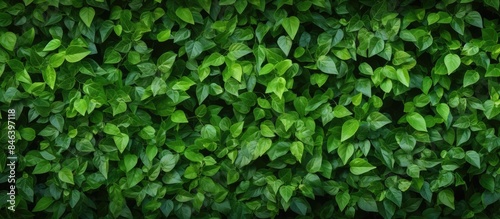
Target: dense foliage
{"type": "Point", "coordinates": [252, 108]}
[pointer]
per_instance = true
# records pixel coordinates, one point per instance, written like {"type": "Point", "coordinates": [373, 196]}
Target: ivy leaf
{"type": "Point", "coordinates": [473, 158]}
{"type": "Point", "coordinates": [360, 166]}
{"type": "Point", "coordinates": [52, 45]}
{"type": "Point", "coordinates": [447, 198]}
{"type": "Point", "coordinates": [286, 192]}
{"type": "Point", "coordinates": [291, 26]}
{"type": "Point", "coordinates": [87, 15]}
{"type": "Point", "coordinates": [76, 53]}
{"type": "Point", "coordinates": [179, 117]}
{"type": "Point", "coordinates": [416, 121]}
{"type": "Point", "coordinates": [66, 175]}
{"type": "Point", "coordinates": [452, 62]}
{"type": "Point", "coordinates": [349, 128]}
{"type": "Point", "coordinates": [8, 40]}
{"type": "Point", "coordinates": [49, 76]}
{"type": "Point", "coordinates": [185, 15]}
{"type": "Point", "coordinates": [326, 65]}
{"type": "Point", "coordinates": [43, 204]}
{"type": "Point", "coordinates": [377, 120]}
{"type": "Point", "coordinates": [297, 149]}
{"type": "Point", "coordinates": [121, 140]}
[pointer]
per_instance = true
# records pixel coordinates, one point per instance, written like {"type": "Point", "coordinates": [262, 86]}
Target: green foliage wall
{"type": "Point", "coordinates": [252, 108]}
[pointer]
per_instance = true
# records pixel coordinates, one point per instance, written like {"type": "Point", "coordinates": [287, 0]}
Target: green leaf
{"type": "Point", "coordinates": [49, 76]}
{"type": "Point", "coordinates": [473, 158]}
{"type": "Point", "coordinates": [403, 77]}
{"type": "Point", "coordinates": [185, 15]}
{"type": "Point", "coordinates": [236, 129]}
{"type": "Point", "coordinates": [52, 45]}
{"type": "Point", "coordinates": [8, 40]}
{"type": "Point", "coordinates": [76, 53]}
{"type": "Point", "coordinates": [406, 142]}
{"type": "Point", "coordinates": [342, 200]}
{"type": "Point", "coordinates": [168, 162]}
{"type": "Point", "coordinates": [375, 46]}
{"type": "Point", "coordinates": [111, 129]}
{"type": "Point", "coordinates": [42, 167]}
{"type": "Point", "coordinates": [377, 120]}
{"type": "Point", "coordinates": [291, 26]}
{"type": "Point", "coordinates": [193, 49]}
{"type": "Point", "coordinates": [130, 160]}
{"type": "Point", "coordinates": [345, 152]}
{"type": "Point", "coordinates": [349, 128]}
{"type": "Point", "coordinates": [87, 15]}
{"type": "Point", "coordinates": [286, 192]}
{"type": "Point", "coordinates": [447, 197]}
{"type": "Point", "coordinates": [297, 149]}
{"type": "Point", "coordinates": [66, 175]}
{"type": "Point", "coordinates": [121, 140]}
{"type": "Point", "coordinates": [365, 69]}
{"type": "Point", "coordinates": [163, 35]}
{"type": "Point", "coordinates": [326, 65]}
{"type": "Point", "coordinates": [493, 3]}
{"type": "Point", "coordinates": [360, 166]}
{"type": "Point", "coordinates": [474, 18]}
{"type": "Point", "coordinates": [166, 61]}
{"type": "Point", "coordinates": [416, 121]}
{"type": "Point", "coordinates": [443, 110]}
{"type": "Point", "coordinates": [43, 204]}
{"type": "Point", "coordinates": [452, 62]}
{"type": "Point", "coordinates": [285, 44]}
{"type": "Point", "coordinates": [470, 78]}
{"type": "Point", "coordinates": [81, 106]}
{"type": "Point", "coordinates": [28, 134]}
{"type": "Point", "coordinates": [277, 86]}
{"type": "Point", "coordinates": [179, 117]}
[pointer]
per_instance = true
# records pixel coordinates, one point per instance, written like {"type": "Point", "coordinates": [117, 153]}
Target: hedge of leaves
{"type": "Point", "coordinates": [252, 108]}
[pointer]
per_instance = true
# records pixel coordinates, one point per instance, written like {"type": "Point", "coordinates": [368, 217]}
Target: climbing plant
{"type": "Point", "coordinates": [250, 108]}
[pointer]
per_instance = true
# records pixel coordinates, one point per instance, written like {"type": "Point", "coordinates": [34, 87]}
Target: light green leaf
{"type": "Point", "coordinates": [49, 76]}
{"type": "Point", "coordinates": [349, 128]}
{"type": "Point", "coordinates": [403, 77]}
{"type": "Point", "coordinates": [87, 15]}
{"type": "Point", "coordinates": [447, 197]}
{"type": "Point", "coordinates": [297, 149]}
{"type": "Point", "coordinates": [360, 166]}
{"type": "Point", "coordinates": [377, 120]}
{"type": "Point", "coordinates": [81, 106]}
{"type": "Point", "coordinates": [8, 40]}
{"type": "Point", "coordinates": [416, 121]}
{"type": "Point", "coordinates": [443, 110]}
{"type": "Point", "coordinates": [277, 86]}
{"type": "Point", "coordinates": [179, 117]}
{"type": "Point", "coordinates": [163, 35]}
{"type": "Point", "coordinates": [66, 175]}
{"type": "Point", "coordinates": [76, 53]}
{"type": "Point", "coordinates": [185, 15]}
{"type": "Point", "coordinates": [345, 152]}
{"type": "Point", "coordinates": [452, 62]}
{"type": "Point", "coordinates": [121, 140]}
{"type": "Point", "coordinates": [52, 45]}
{"type": "Point", "coordinates": [291, 25]}
{"type": "Point", "coordinates": [286, 192]}
{"type": "Point", "coordinates": [236, 129]}
{"type": "Point", "coordinates": [130, 160]}
{"type": "Point", "coordinates": [470, 78]}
